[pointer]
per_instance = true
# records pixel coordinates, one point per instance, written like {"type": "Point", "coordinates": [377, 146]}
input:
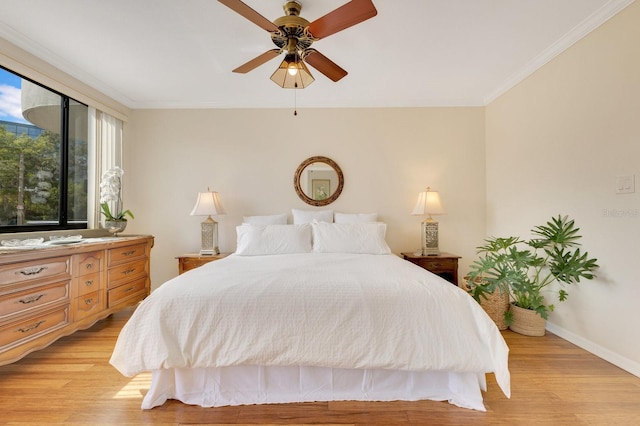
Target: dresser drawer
{"type": "Point", "coordinates": [36, 297]}
{"type": "Point", "coordinates": [87, 305]}
{"type": "Point", "coordinates": [86, 284]}
{"type": "Point", "coordinates": [87, 263]}
{"type": "Point", "coordinates": [126, 272]}
{"type": "Point", "coordinates": [34, 270]}
{"type": "Point", "coordinates": [33, 327]}
{"type": "Point", "coordinates": [127, 253]}
{"type": "Point", "coordinates": [136, 289]}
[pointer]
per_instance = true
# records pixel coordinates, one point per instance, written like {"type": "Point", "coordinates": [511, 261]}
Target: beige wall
{"type": "Point", "coordinates": [249, 157]}
{"type": "Point", "coordinates": [555, 144]}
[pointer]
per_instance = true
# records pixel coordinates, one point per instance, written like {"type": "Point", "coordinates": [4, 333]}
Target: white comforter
{"type": "Point", "coordinates": [331, 310]}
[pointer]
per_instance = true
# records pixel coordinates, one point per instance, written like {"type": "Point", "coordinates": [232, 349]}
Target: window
{"type": "Point", "coordinates": [43, 157]}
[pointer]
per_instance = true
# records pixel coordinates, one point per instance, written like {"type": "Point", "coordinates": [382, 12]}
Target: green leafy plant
{"type": "Point", "coordinates": [524, 268]}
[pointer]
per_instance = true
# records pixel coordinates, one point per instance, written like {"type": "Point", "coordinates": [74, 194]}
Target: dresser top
{"type": "Point", "coordinates": [49, 249]}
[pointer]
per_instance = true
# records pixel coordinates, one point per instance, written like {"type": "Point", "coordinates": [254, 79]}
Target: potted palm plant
{"type": "Point", "coordinates": [525, 268]}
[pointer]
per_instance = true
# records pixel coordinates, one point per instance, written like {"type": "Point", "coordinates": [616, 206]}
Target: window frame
{"type": "Point", "coordinates": [63, 205]}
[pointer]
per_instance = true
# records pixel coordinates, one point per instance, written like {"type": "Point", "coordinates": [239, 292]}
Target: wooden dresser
{"type": "Point", "coordinates": [48, 293]}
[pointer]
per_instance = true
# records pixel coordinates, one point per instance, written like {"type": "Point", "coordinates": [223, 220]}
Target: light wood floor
{"type": "Point", "coordinates": [553, 382]}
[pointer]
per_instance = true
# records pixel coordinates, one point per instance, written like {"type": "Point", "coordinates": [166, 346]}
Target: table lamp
{"type": "Point", "coordinates": [429, 204]}
{"type": "Point", "coordinates": [208, 204]}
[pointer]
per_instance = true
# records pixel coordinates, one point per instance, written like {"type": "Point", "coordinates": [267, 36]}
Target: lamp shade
{"type": "Point", "coordinates": [428, 203]}
{"type": "Point", "coordinates": [208, 204]}
{"type": "Point", "coordinates": [292, 73]}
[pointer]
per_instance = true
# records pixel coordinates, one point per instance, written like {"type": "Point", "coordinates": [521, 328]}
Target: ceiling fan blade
{"type": "Point", "coordinates": [323, 64]}
{"type": "Point", "coordinates": [257, 61]}
{"type": "Point", "coordinates": [345, 16]}
{"type": "Point", "coordinates": [244, 10]}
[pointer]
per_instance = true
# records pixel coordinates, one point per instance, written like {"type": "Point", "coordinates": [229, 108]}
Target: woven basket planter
{"type": "Point", "coordinates": [527, 322]}
{"type": "Point", "coordinates": [495, 305]}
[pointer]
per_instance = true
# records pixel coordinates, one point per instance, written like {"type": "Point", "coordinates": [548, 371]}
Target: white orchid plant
{"type": "Point", "coordinates": [111, 192]}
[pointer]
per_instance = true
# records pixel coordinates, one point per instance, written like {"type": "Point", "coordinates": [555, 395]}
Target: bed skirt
{"type": "Point", "coordinates": [248, 384]}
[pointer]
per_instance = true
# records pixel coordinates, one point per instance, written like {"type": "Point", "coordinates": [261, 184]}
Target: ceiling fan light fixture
{"type": "Point", "coordinates": [292, 73]}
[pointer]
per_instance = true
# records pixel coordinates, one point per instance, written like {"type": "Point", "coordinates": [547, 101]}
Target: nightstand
{"type": "Point", "coordinates": [193, 260]}
{"type": "Point", "coordinates": [444, 265]}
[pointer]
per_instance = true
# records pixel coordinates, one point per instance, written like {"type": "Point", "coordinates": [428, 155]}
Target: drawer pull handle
{"type": "Point", "coordinates": [129, 289]}
{"type": "Point", "coordinates": [129, 271]}
{"type": "Point", "coordinates": [88, 301]}
{"type": "Point", "coordinates": [31, 327]}
{"type": "Point", "coordinates": [89, 266]}
{"type": "Point", "coordinates": [34, 270]}
{"type": "Point", "coordinates": [129, 253]}
{"type": "Point", "coordinates": [31, 299]}
{"type": "Point", "coordinates": [88, 283]}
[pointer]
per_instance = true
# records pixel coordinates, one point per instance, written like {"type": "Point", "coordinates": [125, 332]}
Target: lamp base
{"type": "Point", "coordinates": [430, 238]}
{"type": "Point", "coordinates": [431, 252]}
{"type": "Point", "coordinates": [209, 234]}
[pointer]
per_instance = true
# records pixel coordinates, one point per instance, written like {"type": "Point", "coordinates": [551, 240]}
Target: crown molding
{"type": "Point", "coordinates": [596, 19]}
{"type": "Point", "coordinates": [33, 58]}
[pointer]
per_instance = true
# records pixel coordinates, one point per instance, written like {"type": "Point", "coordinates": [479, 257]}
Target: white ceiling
{"type": "Point", "coordinates": [180, 53]}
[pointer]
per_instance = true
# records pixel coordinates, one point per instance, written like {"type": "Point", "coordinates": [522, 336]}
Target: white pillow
{"type": "Point", "coordinates": [257, 240]}
{"type": "Point", "coordinates": [308, 216]}
{"type": "Point", "coordinates": [274, 219]}
{"type": "Point", "coordinates": [355, 217]}
{"type": "Point", "coordinates": [363, 238]}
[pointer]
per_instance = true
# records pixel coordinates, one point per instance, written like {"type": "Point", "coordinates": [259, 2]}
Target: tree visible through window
{"type": "Point", "coordinates": [43, 157]}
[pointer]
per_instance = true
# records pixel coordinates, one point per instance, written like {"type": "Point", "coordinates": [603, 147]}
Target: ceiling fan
{"type": "Point", "coordinates": [294, 35]}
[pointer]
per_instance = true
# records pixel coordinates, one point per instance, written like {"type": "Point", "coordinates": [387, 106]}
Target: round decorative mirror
{"type": "Point", "coordinates": [318, 181]}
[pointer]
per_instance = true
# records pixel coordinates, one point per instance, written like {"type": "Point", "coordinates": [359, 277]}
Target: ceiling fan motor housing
{"type": "Point", "coordinates": [291, 27]}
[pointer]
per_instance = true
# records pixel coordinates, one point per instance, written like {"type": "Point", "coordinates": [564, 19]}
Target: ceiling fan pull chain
{"type": "Point", "coordinates": [295, 98]}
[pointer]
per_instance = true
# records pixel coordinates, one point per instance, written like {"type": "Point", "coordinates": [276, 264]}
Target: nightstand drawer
{"type": "Point", "coordinates": [190, 261]}
{"type": "Point", "coordinates": [437, 265]}
{"type": "Point", "coordinates": [444, 265]}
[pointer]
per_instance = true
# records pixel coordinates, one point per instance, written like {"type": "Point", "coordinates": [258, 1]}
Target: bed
{"type": "Point", "coordinates": [311, 312]}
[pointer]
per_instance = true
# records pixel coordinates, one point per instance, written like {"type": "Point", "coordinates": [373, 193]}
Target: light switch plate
{"type": "Point", "coordinates": [625, 184]}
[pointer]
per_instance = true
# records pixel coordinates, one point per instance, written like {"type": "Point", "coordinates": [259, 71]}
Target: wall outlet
{"type": "Point", "coordinates": [625, 184]}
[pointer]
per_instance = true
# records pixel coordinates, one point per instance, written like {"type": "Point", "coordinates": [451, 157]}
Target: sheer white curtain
{"type": "Point", "coordinates": [104, 152]}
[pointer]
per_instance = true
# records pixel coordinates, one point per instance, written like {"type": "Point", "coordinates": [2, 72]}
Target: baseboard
{"type": "Point", "coordinates": [612, 357]}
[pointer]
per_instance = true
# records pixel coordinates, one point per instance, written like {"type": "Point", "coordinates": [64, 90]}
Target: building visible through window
{"type": "Point", "coordinates": [19, 129]}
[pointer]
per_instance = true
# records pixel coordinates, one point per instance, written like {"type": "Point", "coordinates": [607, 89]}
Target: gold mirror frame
{"type": "Point", "coordinates": [304, 197]}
